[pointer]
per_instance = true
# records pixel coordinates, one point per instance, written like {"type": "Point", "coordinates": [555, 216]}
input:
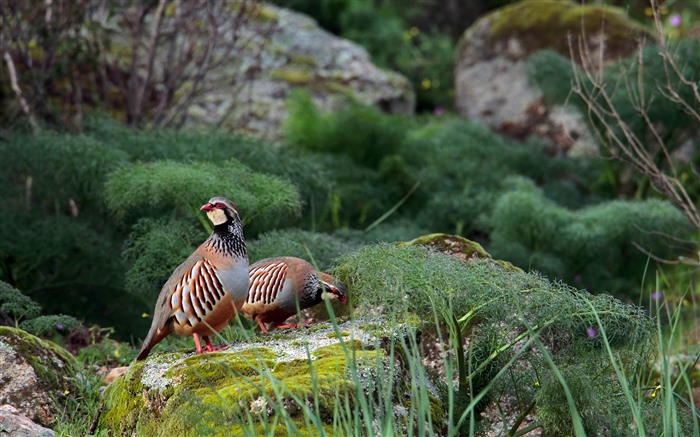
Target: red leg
{"type": "Point", "coordinates": [197, 344]}
{"type": "Point", "coordinates": [211, 348]}
{"type": "Point", "coordinates": [263, 328]}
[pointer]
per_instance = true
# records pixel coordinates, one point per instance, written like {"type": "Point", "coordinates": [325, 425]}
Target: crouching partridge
{"type": "Point", "coordinates": [278, 286]}
{"type": "Point", "coordinates": [204, 292]}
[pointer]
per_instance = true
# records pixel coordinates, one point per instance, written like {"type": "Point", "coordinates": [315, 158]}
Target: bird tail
{"type": "Point", "coordinates": [155, 335]}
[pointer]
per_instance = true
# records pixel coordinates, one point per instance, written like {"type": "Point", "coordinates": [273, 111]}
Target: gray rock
{"type": "Point", "coordinates": [491, 81]}
{"type": "Point", "coordinates": [32, 373]}
{"type": "Point", "coordinates": [15, 424]}
{"type": "Point", "coordinates": [283, 373]}
{"type": "Point", "coordinates": [278, 51]}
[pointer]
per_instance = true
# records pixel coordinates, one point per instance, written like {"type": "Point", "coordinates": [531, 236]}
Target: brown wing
{"type": "Point", "coordinates": [188, 296]}
{"type": "Point", "coordinates": [266, 281]}
{"type": "Point", "coordinates": [196, 294]}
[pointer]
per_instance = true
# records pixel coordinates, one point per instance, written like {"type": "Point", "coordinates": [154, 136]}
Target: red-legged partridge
{"type": "Point", "coordinates": [278, 286]}
{"type": "Point", "coordinates": [204, 292]}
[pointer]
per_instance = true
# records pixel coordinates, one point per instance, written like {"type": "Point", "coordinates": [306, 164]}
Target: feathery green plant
{"type": "Point", "coordinates": [498, 310]}
{"type": "Point", "coordinates": [16, 305]}
{"type": "Point", "coordinates": [317, 248]}
{"type": "Point", "coordinates": [164, 185]}
{"type": "Point", "coordinates": [154, 249]}
{"type": "Point", "coordinates": [26, 313]}
{"type": "Point", "coordinates": [593, 246]}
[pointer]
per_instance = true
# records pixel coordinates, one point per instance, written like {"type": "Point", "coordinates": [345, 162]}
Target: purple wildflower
{"type": "Point", "coordinates": [439, 110]}
{"type": "Point", "coordinates": [59, 326]}
{"type": "Point", "coordinates": [591, 332]}
{"type": "Point", "coordinates": [674, 20]}
{"type": "Point", "coordinates": [657, 295]}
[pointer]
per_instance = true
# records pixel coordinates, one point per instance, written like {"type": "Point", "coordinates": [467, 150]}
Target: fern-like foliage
{"type": "Point", "coordinates": [505, 308]}
{"type": "Point", "coordinates": [55, 169]}
{"type": "Point", "coordinates": [318, 248]}
{"type": "Point", "coordinates": [165, 185]}
{"type": "Point", "coordinates": [593, 246]}
{"type": "Point", "coordinates": [363, 133]}
{"type": "Point", "coordinates": [154, 249]}
{"type": "Point", "coordinates": [46, 325]}
{"type": "Point", "coordinates": [15, 304]}
{"type": "Point", "coordinates": [461, 167]}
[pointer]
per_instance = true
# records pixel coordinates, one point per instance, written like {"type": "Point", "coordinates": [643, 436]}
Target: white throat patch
{"type": "Point", "coordinates": [217, 216]}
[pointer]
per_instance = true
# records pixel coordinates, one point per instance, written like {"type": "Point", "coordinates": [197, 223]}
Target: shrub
{"type": "Point", "coordinates": [170, 185]}
{"type": "Point", "coordinates": [592, 247]}
{"type": "Point", "coordinates": [15, 304]}
{"type": "Point", "coordinates": [364, 133]}
{"type": "Point", "coordinates": [515, 322]}
{"type": "Point", "coordinates": [317, 248]}
{"type": "Point", "coordinates": [154, 249]}
{"type": "Point", "coordinates": [461, 167]}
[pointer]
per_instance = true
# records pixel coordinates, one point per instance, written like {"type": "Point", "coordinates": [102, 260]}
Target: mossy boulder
{"type": "Point", "coordinates": [491, 81]}
{"type": "Point", "coordinates": [457, 246]}
{"type": "Point", "coordinates": [279, 50]}
{"type": "Point", "coordinates": [283, 383]}
{"type": "Point", "coordinates": [34, 373]}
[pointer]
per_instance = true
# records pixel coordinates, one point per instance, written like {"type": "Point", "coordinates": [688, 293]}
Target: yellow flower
{"type": "Point", "coordinates": [425, 84]}
{"type": "Point", "coordinates": [537, 383]}
{"type": "Point", "coordinates": [414, 31]}
{"type": "Point", "coordinates": [657, 388]}
{"type": "Point", "coordinates": [145, 315]}
{"type": "Point", "coordinates": [66, 392]}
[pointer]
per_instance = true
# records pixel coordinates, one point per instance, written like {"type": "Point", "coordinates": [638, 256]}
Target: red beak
{"type": "Point", "coordinates": [343, 299]}
{"type": "Point", "coordinates": [206, 207]}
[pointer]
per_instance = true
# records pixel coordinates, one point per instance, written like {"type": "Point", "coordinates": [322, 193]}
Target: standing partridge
{"type": "Point", "coordinates": [278, 286]}
{"type": "Point", "coordinates": [204, 292]}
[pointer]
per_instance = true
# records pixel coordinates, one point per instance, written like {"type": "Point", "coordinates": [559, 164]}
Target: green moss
{"type": "Point", "coordinates": [302, 60]}
{"type": "Point", "coordinates": [459, 246]}
{"type": "Point", "coordinates": [124, 402]}
{"type": "Point", "coordinates": [51, 363]}
{"type": "Point", "coordinates": [294, 76]}
{"type": "Point", "coordinates": [215, 394]}
{"type": "Point", "coordinates": [450, 244]}
{"type": "Point", "coordinates": [334, 335]}
{"type": "Point", "coordinates": [540, 24]}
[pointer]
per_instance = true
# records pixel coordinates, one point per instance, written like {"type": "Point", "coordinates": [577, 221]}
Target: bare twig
{"type": "Point", "coordinates": [12, 72]}
{"type": "Point", "coordinates": [647, 154]}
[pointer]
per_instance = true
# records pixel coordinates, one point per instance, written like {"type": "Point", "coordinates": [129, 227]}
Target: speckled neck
{"type": "Point", "coordinates": [228, 240]}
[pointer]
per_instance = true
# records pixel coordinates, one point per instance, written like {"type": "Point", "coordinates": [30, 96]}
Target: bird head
{"type": "Point", "coordinates": [220, 210]}
{"type": "Point", "coordinates": [334, 288]}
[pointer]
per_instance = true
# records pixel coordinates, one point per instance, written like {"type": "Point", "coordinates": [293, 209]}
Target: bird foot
{"type": "Point", "coordinates": [212, 348]}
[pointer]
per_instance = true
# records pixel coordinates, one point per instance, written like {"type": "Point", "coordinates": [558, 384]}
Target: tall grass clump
{"type": "Point", "coordinates": [519, 336]}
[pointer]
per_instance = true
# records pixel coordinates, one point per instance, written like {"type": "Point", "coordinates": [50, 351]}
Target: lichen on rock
{"type": "Point", "coordinates": [264, 385]}
{"type": "Point", "coordinates": [33, 373]}
{"type": "Point", "coordinates": [491, 82]}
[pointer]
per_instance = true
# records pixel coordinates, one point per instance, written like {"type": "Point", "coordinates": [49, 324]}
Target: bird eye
{"type": "Point", "coordinates": [220, 206]}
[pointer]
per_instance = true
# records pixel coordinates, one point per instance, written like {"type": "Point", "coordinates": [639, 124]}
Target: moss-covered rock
{"type": "Point", "coordinates": [522, 28]}
{"type": "Point", "coordinates": [288, 383]}
{"type": "Point", "coordinates": [491, 80]}
{"type": "Point", "coordinates": [246, 91]}
{"type": "Point", "coordinates": [457, 246]}
{"type": "Point", "coordinates": [33, 374]}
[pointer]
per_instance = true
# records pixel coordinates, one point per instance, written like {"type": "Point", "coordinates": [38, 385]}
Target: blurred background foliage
{"type": "Point", "coordinates": [97, 220]}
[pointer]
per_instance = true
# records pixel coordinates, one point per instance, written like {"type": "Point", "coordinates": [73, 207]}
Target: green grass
{"type": "Point", "coordinates": [653, 396]}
